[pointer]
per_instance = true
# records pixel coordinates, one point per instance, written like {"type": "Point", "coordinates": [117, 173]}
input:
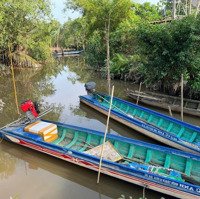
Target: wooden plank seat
{"type": "Point", "coordinates": [87, 143]}
{"type": "Point", "coordinates": [73, 140]}
{"type": "Point", "coordinates": [167, 161]}
{"type": "Point", "coordinates": [148, 156]}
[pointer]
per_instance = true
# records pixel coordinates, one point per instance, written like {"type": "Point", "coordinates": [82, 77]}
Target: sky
{"type": "Point", "coordinates": [58, 6]}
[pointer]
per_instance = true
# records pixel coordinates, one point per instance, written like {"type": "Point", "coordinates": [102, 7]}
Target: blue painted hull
{"type": "Point", "coordinates": [144, 127]}
{"type": "Point", "coordinates": [139, 177]}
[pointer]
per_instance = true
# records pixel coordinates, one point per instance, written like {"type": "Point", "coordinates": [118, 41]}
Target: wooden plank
{"type": "Point", "coordinates": [167, 161]}
{"type": "Point", "coordinates": [160, 122]}
{"type": "Point", "coordinates": [131, 151]}
{"type": "Point", "coordinates": [87, 143]}
{"type": "Point", "coordinates": [142, 113]}
{"type": "Point", "coordinates": [194, 135]}
{"type": "Point", "coordinates": [148, 156]}
{"type": "Point", "coordinates": [134, 112]}
{"type": "Point", "coordinates": [170, 126]}
{"type": "Point", "coordinates": [188, 167]}
{"type": "Point", "coordinates": [127, 109]}
{"type": "Point", "coordinates": [181, 132]}
{"type": "Point", "coordinates": [150, 118]}
{"type": "Point", "coordinates": [73, 141]}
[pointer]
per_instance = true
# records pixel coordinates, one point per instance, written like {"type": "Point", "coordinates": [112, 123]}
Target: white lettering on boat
{"type": "Point", "coordinates": [175, 184]}
{"type": "Point", "coordinates": [160, 132]}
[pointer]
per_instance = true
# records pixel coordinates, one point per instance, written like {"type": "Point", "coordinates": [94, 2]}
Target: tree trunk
{"type": "Point", "coordinates": [108, 53]}
{"type": "Point", "coordinates": [174, 10]}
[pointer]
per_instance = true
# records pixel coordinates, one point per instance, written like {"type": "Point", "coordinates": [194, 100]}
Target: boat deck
{"type": "Point", "coordinates": [177, 129]}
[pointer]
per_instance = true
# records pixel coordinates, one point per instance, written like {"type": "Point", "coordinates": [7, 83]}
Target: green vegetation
{"type": "Point", "coordinates": [124, 34]}
{"type": "Point", "coordinates": [27, 30]}
{"type": "Point", "coordinates": [119, 37]}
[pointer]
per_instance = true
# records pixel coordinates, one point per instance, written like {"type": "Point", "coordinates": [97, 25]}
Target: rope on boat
{"type": "Point", "coordinates": [114, 106]}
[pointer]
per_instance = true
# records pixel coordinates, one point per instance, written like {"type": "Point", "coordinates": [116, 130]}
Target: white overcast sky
{"type": "Point", "coordinates": [58, 5]}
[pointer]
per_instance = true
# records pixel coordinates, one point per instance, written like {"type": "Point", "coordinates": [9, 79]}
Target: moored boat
{"type": "Point", "coordinates": [190, 107]}
{"type": "Point", "coordinates": [158, 168]}
{"type": "Point", "coordinates": [158, 126]}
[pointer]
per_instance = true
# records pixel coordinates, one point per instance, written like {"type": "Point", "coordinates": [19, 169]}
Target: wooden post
{"type": "Point", "coordinates": [104, 139]}
{"type": "Point", "coordinates": [108, 52]}
{"type": "Point", "coordinates": [197, 10]}
{"type": "Point", "coordinates": [182, 97]}
{"type": "Point", "coordinates": [139, 93]}
{"type": "Point", "coordinates": [190, 7]}
{"type": "Point", "coordinates": [170, 111]}
{"type": "Point", "coordinates": [174, 10]}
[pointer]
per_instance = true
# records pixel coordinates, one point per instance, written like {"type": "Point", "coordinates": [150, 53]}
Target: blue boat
{"type": "Point", "coordinates": [163, 128]}
{"type": "Point", "coordinates": [162, 169]}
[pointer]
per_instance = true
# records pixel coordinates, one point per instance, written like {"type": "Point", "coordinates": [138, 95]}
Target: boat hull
{"type": "Point", "coordinates": [139, 129]}
{"type": "Point", "coordinates": [175, 108]}
{"type": "Point", "coordinates": [142, 127]}
{"type": "Point", "coordinates": [146, 180]}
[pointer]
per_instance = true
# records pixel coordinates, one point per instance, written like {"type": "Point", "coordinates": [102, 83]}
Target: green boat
{"type": "Point", "coordinates": [162, 169]}
{"type": "Point", "coordinates": [158, 126]}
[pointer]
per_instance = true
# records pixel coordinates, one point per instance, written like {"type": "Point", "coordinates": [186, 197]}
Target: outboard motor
{"type": "Point", "coordinates": [90, 87]}
{"type": "Point", "coordinates": [31, 109]}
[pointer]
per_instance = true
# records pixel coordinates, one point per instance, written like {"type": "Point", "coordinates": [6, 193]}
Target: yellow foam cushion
{"type": "Point", "coordinates": [46, 130]}
{"type": "Point", "coordinates": [50, 138]}
{"type": "Point", "coordinates": [40, 127]}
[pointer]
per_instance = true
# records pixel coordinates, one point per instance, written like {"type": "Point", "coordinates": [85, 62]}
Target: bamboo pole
{"type": "Point", "coordinates": [190, 7]}
{"type": "Point", "coordinates": [108, 53]}
{"type": "Point", "coordinates": [104, 139]}
{"type": "Point", "coordinates": [197, 10]}
{"type": "Point", "coordinates": [13, 80]}
{"type": "Point", "coordinates": [170, 111]}
{"type": "Point", "coordinates": [139, 93]}
{"type": "Point", "coordinates": [174, 10]}
{"type": "Point", "coordinates": [182, 97]}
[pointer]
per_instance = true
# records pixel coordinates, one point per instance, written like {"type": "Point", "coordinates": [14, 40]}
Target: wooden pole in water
{"type": "Point", "coordinates": [106, 131]}
{"type": "Point", "coordinates": [170, 111]}
{"type": "Point", "coordinates": [182, 97]}
{"type": "Point", "coordinates": [139, 93]}
{"type": "Point", "coordinates": [108, 53]}
{"type": "Point", "coordinates": [174, 10]}
{"type": "Point", "coordinates": [13, 80]}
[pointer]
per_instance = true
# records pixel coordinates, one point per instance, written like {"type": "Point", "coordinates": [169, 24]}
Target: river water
{"type": "Point", "coordinates": [27, 174]}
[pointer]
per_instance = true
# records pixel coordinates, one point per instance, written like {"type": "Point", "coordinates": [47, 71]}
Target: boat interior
{"type": "Point", "coordinates": [171, 126]}
{"type": "Point", "coordinates": [160, 162]}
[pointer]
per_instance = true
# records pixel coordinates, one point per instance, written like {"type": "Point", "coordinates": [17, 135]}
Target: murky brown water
{"type": "Point", "coordinates": [26, 174]}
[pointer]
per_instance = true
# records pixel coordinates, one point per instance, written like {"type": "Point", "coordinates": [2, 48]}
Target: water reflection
{"type": "Point", "coordinates": [30, 172]}
{"type": "Point", "coordinates": [41, 176]}
{"type": "Point", "coordinates": [7, 165]}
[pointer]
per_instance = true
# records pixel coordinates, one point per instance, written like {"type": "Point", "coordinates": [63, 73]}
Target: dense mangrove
{"type": "Point", "coordinates": [122, 39]}
{"type": "Point", "coordinates": [140, 49]}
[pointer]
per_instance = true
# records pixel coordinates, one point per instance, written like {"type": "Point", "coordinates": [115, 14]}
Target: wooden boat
{"type": "Point", "coordinates": [162, 169]}
{"type": "Point", "coordinates": [190, 107]}
{"type": "Point", "coordinates": [158, 126]}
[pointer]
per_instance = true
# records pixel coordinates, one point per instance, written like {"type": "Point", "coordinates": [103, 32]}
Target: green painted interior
{"type": "Point", "coordinates": [174, 128]}
{"type": "Point", "coordinates": [83, 141]}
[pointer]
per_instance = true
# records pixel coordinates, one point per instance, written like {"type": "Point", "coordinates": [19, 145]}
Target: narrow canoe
{"type": "Point", "coordinates": [162, 169]}
{"type": "Point", "coordinates": [158, 126]}
{"type": "Point", "coordinates": [190, 107]}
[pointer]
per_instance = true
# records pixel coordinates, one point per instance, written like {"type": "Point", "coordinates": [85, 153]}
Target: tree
{"type": "Point", "coordinates": [171, 50]}
{"type": "Point", "coordinates": [103, 15]}
{"type": "Point", "coordinates": [21, 25]}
